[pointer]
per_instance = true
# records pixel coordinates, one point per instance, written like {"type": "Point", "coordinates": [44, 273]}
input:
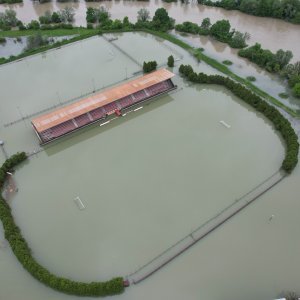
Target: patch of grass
{"type": "Point", "coordinates": [227, 62]}
{"type": "Point", "coordinates": [283, 95]}
{"type": "Point", "coordinates": [52, 32]}
{"type": "Point", "coordinates": [251, 78]}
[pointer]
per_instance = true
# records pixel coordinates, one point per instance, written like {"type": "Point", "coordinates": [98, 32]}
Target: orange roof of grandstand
{"type": "Point", "coordinates": [99, 99]}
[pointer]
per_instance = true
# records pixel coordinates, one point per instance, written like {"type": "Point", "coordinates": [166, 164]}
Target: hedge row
{"type": "Point", "coordinates": [281, 123]}
{"type": "Point", "coordinates": [23, 253]}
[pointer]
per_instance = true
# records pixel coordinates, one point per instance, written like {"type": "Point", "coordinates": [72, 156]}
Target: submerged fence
{"type": "Point", "coordinates": [122, 51]}
{"type": "Point", "coordinates": [202, 231]}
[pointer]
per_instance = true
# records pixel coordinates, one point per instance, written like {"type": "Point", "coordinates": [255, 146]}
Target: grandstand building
{"type": "Point", "coordinates": [99, 106]}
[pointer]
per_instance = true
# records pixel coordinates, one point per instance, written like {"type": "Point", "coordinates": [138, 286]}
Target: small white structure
{"type": "Point", "coordinates": [271, 217]}
{"type": "Point", "coordinates": [104, 123]}
{"type": "Point", "coordinates": [225, 124]}
{"type": "Point", "coordinates": [79, 203]}
{"type": "Point", "coordinates": [138, 108]}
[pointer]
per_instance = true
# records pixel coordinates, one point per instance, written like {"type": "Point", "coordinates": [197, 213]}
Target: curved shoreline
{"type": "Point", "coordinates": [22, 251]}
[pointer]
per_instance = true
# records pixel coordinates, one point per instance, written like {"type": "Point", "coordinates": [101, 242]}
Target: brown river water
{"type": "Point", "coordinates": [271, 33]}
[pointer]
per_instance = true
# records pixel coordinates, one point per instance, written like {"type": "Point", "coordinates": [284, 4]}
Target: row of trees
{"type": "Point", "coordinates": [97, 15]}
{"type": "Point", "coordinates": [62, 19]}
{"type": "Point", "coordinates": [280, 123]}
{"type": "Point", "coordinates": [10, 1]}
{"type": "Point", "coordinates": [23, 253]}
{"type": "Point", "coordinates": [149, 66]}
{"type": "Point", "coordinates": [291, 73]}
{"type": "Point", "coordinates": [161, 20]}
{"type": "Point", "coordinates": [65, 15]}
{"type": "Point", "coordinates": [8, 19]}
{"type": "Point", "coordinates": [152, 65]}
{"type": "Point", "coordinates": [221, 30]}
{"type": "Point", "coordinates": [288, 10]}
{"type": "Point", "coordinates": [272, 62]}
{"type": "Point", "coordinates": [276, 63]}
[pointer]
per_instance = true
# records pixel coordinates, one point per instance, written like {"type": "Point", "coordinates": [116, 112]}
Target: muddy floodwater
{"type": "Point", "coordinates": [269, 82]}
{"type": "Point", "coordinates": [271, 33]}
{"type": "Point", "coordinates": [146, 180]}
{"type": "Point", "coordinates": [15, 46]}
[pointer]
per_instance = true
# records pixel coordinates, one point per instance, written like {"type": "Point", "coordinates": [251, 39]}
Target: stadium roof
{"type": "Point", "coordinates": [100, 99]}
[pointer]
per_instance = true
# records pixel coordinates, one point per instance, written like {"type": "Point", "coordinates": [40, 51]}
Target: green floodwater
{"type": "Point", "coordinates": [146, 179]}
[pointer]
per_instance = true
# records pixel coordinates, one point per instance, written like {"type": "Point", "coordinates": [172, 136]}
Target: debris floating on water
{"type": "Point", "coordinates": [79, 203]}
{"type": "Point", "coordinates": [225, 124]}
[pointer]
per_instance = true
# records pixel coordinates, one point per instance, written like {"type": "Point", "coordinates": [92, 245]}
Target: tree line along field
{"type": "Point", "coordinates": [287, 10]}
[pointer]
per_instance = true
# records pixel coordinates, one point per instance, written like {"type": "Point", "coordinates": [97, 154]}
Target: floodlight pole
{"type": "Point", "coordinates": [94, 88]}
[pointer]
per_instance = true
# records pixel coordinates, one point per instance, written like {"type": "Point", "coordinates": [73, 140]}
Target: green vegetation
{"type": "Point", "coordinates": [292, 73]}
{"type": "Point", "coordinates": [98, 15]}
{"type": "Point", "coordinates": [171, 61]}
{"type": "Point", "coordinates": [143, 24]}
{"type": "Point", "coordinates": [143, 15]}
{"type": "Point", "coordinates": [63, 1]}
{"type": "Point", "coordinates": [34, 24]}
{"type": "Point", "coordinates": [296, 90]}
{"type": "Point", "coordinates": [161, 20]}
{"type": "Point", "coordinates": [188, 27]}
{"type": "Point", "coordinates": [275, 63]}
{"type": "Point", "coordinates": [221, 31]}
{"type": "Point", "coordinates": [2, 40]}
{"type": "Point", "coordinates": [288, 10]}
{"type": "Point", "coordinates": [222, 68]}
{"type": "Point", "coordinates": [251, 78]}
{"type": "Point", "coordinates": [8, 19]}
{"type": "Point", "coordinates": [227, 62]}
{"type": "Point", "coordinates": [293, 80]}
{"type": "Point", "coordinates": [64, 16]}
{"type": "Point", "coordinates": [36, 41]}
{"type": "Point", "coordinates": [238, 39]}
{"type": "Point", "coordinates": [54, 30]}
{"type": "Point", "coordinates": [94, 0]}
{"type": "Point", "coordinates": [10, 1]}
{"type": "Point", "coordinates": [280, 123]}
{"type": "Point", "coordinates": [149, 66]}
{"type": "Point", "coordinates": [23, 253]}
{"type": "Point", "coordinates": [283, 95]}
{"type": "Point", "coordinates": [272, 62]}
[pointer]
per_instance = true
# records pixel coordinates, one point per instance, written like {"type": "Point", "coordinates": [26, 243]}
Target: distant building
{"type": "Point", "coordinates": [97, 107]}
